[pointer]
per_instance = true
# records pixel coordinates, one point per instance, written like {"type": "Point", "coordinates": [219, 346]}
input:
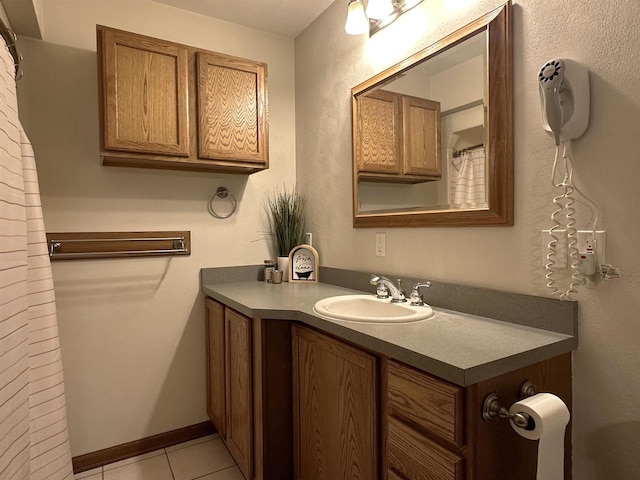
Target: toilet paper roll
{"type": "Point", "coordinates": [551, 417]}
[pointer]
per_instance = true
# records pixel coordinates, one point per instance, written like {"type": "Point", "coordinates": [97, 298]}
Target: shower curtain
{"type": "Point", "coordinates": [34, 442]}
{"type": "Point", "coordinates": [468, 179]}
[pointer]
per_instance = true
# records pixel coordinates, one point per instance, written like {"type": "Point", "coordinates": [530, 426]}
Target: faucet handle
{"type": "Point", "coordinates": [416, 297]}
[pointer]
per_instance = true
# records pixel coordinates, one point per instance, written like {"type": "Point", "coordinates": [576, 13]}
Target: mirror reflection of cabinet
{"type": "Point", "coordinates": [469, 74]}
{"type": "Point", "coordinates": [398, 138]}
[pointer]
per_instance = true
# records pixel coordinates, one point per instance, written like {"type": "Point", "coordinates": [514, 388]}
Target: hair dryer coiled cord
{"type": "Point", "coordinates": [565, 202]}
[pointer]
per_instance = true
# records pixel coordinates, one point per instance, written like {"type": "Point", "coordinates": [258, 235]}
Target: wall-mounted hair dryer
{"type": "Point", "coordinates": [564, 98]}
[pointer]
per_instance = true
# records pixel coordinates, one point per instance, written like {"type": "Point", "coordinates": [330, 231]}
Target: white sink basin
{"type": "Point", "coordinates": [370, 309]}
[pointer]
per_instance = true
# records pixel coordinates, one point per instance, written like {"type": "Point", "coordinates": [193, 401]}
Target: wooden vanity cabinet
{"type": "Point", "coordinates": [335, 409]}
{"type": "Point", "coordinates": [358, 415]}
{"type": "Point", "coordinates": [171, 106]}
{"type": "Point", "coordinates": [433, 430]}
{"type": "Point", "coordinates": [397, 138]}
{"type": "Point", "coordinates": [249, 390]}
{"type": "Point", "coordinates": [216, 365]}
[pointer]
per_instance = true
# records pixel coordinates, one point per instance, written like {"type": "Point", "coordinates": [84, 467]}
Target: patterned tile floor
{"type": "Point", "coordinates": [205, 458]}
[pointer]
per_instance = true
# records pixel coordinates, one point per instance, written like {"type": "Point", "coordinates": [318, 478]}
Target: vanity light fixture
{"type": "Point", "coordinates": [379, 14]}
{"type": "Point", "coordinates": [357, 21]}
{"type": "Point", "coordinates": [379, 9]}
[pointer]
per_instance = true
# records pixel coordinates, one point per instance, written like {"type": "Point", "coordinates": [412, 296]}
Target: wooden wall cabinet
{"type": "Point", "coordinates": [166, 105]}
{"type": "Point", "coordinates": [335, 409]}
{"type": "Point", "coordinates": [397, 138]}
{"type": "Point", "coordinates": [249, 390]}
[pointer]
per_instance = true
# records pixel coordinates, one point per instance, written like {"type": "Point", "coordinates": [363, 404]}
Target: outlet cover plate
{"type": "Point", "coordinates": [585, 239]}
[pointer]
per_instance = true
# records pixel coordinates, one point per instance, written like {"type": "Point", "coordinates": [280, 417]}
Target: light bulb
{"type": "Point", "coordinates": [379, 9]}
{"type": "Point", "coordinates": [357, 22]}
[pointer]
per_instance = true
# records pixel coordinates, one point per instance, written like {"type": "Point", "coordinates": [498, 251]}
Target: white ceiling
{"type": "Point", "coordinates": [284, 17]}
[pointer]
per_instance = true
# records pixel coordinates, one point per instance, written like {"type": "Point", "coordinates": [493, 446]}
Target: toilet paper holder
{"type": "Point", "coordinates": [492, 409]}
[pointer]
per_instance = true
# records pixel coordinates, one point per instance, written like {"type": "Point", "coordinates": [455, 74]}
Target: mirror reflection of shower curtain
{"type": "Point", "coordinates": [468, 179]}
{"type": "Point", "coordinates": [34, 440]}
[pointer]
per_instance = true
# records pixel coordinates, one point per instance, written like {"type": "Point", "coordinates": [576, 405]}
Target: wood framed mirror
{"type": "Point", "coordinates": [433, 134]}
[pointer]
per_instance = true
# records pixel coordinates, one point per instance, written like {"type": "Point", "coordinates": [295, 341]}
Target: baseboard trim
{"type": "Point", "coordinates": [91, 460]}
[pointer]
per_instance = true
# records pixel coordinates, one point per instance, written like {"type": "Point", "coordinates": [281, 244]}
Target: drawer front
{"type": "Point", "coordinates": [415, 457]}
{"type": "Point", "coordinates": [425, 402]}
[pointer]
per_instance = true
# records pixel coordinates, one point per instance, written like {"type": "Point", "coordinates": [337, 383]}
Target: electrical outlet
{"type": "Point", "coordinates": [560, 246]}
{"type": "Point", "coordinates": [381, 244]}
{"type": "Point", "coordinates": [588, 243]}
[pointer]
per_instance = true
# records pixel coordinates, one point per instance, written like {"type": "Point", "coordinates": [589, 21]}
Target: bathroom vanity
{"type": "Point", "coordinates": [298, 396]}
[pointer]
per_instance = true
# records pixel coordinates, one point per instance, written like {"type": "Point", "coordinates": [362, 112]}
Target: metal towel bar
{"type": "Point", "coordinates": [67, 246]}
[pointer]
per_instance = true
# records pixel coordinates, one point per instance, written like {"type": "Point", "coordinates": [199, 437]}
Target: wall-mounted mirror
{"type": "Point", "coordinates": [433, 135]}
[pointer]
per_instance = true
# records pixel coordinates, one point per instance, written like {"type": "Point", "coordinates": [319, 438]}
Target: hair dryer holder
{"type": "Point", "coordinates": [492, 408]}
{"type": "Point", "coordinates": [573, 95]}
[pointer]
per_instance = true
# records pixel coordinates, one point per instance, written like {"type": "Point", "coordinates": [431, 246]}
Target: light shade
{"type": "Point", "coordinates": [357, 21]}
{"type": "Point", "coordinates": [378, 9]}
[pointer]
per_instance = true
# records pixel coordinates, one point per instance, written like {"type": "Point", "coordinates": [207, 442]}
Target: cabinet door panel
{"type": "Point", "coordinates": [427, 403]}
{"type": "Point", "coordinates": [380, 133]}
{"type": "Point", "coordinates": [335, 427]}
{"type": "Point", "coordinates": [231, 109]}
{"type": "Point", "coordinates": [421, 128]}
{"type": "Point", "coordinates": [239, 390]}
{"type": "Point", "coordinates": [417, 458]}
{"type": "Point", "coordinates": [216, 385]}
{"type": "Point", "coordinates": [144, 94]}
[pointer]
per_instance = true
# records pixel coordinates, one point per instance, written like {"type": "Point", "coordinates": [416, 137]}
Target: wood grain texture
{"type": "Point", "coordinates": [143, 104]}
{"type": "Point", "coordinates": [231, 108]}
{"type": "Point", "coordinates": [335, 426]}
{"type": "Point", "coordinates": [421, 129]}
{"type": "Point", "coordinates": [428, 404]}
{"type": "Point", "coordinates": [239, 386]}
{"type": "Point", "coordinates": [145, 94]}
{"type": "Point", "coordinates": [498, 25]}
{"type": "Point", "coordinates": [215, 350]}
{"type": "Point", "coordinates": [416, 457]}
{"type": "Point", "coordinates": [495, 450]}
{"type": "Point", "coordinates": [380, 133]}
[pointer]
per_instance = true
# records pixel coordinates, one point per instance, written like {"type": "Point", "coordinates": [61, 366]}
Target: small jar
{"type": "Point", "coordinates": [269, 266]}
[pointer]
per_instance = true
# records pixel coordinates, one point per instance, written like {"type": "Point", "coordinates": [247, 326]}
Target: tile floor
{"type": "Point", "coordinates": [205, 458]}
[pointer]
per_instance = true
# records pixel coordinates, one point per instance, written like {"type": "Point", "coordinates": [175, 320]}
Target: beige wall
{"type": "Point", "coordinates": [132, 330]}
{"type": "Point", "coordinates": [606, 37]}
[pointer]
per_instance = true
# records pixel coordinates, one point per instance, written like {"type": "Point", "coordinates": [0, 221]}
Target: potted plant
{"type": "Point", "coordinates": [285, 223]}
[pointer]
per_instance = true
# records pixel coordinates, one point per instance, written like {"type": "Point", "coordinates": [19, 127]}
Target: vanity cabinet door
{"type": "Point", "coordinates": [335, 409]}
{"type": "Point", "coordinates": [215, 350]}
{"type": "Point", "coordinates": [145, 100]}
{"type": "Point", "coordinates": [239, 434]}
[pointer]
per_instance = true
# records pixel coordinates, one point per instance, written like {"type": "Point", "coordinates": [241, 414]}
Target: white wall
{"type": "Point", "coordinates": [606, 37]}
{"type": "Point", "coordinates": [132, 330]}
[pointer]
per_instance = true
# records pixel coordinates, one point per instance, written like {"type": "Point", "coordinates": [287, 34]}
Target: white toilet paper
{"type": "Point", "coordinates": [551, 417]}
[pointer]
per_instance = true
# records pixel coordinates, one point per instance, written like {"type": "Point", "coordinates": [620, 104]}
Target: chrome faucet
{"type": "Point", "coordinates": [383, 283]}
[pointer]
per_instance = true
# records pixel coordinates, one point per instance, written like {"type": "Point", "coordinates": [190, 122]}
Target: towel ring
{"type": "Point", "coordinates": [222, 192]}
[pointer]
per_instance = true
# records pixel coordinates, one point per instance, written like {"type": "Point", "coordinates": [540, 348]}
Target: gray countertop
{"type": "Point", "coordinates": [459, 347]}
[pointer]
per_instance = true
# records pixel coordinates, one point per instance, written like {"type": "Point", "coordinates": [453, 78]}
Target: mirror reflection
{"type": "Point", "coordinates": [425, 150]}
{"type": "Point", "coordinates": [433, 134]}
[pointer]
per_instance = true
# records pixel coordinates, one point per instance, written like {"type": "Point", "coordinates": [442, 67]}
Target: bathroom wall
{"type": "Point", "coordinates": [132, 330]}
{"type": "Point", "coordinates": [606, 37]}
